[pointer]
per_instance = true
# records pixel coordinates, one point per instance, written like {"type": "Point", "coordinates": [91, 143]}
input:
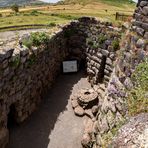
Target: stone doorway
{"type": "Point", "coordinates": [101, 71]}
{"type": "Point", "coordinates": [11, 121]}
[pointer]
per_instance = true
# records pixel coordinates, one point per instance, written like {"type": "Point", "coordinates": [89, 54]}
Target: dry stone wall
{"type": "Point", "coordinates": [113, 110]}
{"type": "Point", "coordinates": [25, 75]}
{"type": "Point", "coordinates": [109, 72]}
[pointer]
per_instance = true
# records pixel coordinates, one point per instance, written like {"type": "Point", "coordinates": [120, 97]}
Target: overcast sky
{"type": "Point", "coordinates": [54, 1]}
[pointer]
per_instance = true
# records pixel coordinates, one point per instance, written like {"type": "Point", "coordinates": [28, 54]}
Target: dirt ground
{"type": "Point", "coordinates": [54, 124]}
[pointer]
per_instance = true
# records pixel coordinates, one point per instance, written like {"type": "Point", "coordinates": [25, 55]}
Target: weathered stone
{"type": "Point", "coordinates": [145, 10]}
{"type": "Point", "coordinates": [146, 35]}
{"type": "Point", "coordinates": [74, 103]}
{"type": "Point", "coordinates": [140, 31]}
{"type": "Point", "coordinates": [86, 141]}
{"type": "Point", "coordinates": [143, 3]}
{"type": "Point", "coordinates": [104, 127]}
{"type": "Point", "coordinates": [140, 43]}
{"type": "Point", "coordinates": [88, 112]}
{"type": "Point", "coordinates": [88, 126]}
{"type": "Point", "coordinates": [128, 83]}
{"type": "Point", "coordinates": [79, 111]}
{"type": "Point", "coordinates": [105, 52]}
{"type": "Point", "coordinates": [95, 109]}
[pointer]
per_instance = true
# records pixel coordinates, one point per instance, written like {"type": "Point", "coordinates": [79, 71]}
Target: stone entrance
{"type": "Point", "coordinates": [11, 121]}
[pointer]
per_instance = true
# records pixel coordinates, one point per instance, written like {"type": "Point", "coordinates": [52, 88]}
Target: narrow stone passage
{"type": "Point", "coordinates": [54, 124]}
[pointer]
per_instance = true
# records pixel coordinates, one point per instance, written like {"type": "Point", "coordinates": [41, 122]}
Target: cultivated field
{"type": "Point", "coordinates": [60, 14]}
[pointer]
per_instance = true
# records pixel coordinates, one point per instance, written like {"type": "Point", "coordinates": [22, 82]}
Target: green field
{"type": "Point", "coordinates": [63, 13]}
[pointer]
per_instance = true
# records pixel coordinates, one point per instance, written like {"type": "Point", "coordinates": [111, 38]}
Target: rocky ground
{"type": "Point", "coordinates": [134, 134]}
{"type": "Point", "coordinates": [54, 124]}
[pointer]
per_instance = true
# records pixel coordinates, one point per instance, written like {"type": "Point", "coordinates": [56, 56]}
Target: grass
{"type": "Point", "coordinates": [138, 96]}
{"type": "Point", "coordinates": [118, 3]}
{"type": "Point", "coordinates": [61, 14]}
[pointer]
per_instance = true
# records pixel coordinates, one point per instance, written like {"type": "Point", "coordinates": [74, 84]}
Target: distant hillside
{"type": "Point", "coordinates": [110, 2]}
{"type": "Point", "coordinates": [6, 3]}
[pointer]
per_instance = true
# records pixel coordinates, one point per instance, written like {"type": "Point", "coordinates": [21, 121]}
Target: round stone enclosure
{"type": "Point", "coordinates": [87, 98]}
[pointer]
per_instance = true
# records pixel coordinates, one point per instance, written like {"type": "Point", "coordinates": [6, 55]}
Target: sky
{"type": "Point", "coordinates": [54, 1]}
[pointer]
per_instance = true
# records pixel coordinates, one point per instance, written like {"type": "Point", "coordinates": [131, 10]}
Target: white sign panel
{"type": "Point", "coordinates": [70, 66]}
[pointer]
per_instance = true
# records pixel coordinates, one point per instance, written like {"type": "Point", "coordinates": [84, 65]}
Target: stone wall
{"type": "Point", "coordinates": [113, 110]}
{"type": "Point", "coordinates": [109, 72]}
{"type": "Point", "coordinates": [25, 75]}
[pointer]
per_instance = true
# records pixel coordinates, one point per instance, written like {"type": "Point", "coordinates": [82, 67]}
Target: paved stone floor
{"type": "Point", "coordinates": [54, 124]}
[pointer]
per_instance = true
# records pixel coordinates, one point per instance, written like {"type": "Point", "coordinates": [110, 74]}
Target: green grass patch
{"type": "Point", "coordinates": [36, 39]}
{"type": "Point", "coordinates": [138, 96]}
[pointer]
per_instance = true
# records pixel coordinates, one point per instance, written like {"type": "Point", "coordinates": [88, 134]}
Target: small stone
{"type": "Point", "coordinates": [74, 103]}
{"type": "Point", "coordinates": [145, 10]}
{"type": "Point", "coordinates": [108, 42]}
{"type": "Point", "coordinates": [104, 127]}
{"type": "Point", "coordinates": [112, 107]}
{"type": "Point", "coordinates": [94, 109]}
{"type": "Point", "coordinates": [1, 43]}
{"type": "Point", "coordinates": [88, 126]}
{"type": "Point", "coordinates": [146, 35]}
{"type": "Point", "coordinates": [109, 61]}
{"type": "Point", "coordinates": [128, 83]}
{"type": "Point", "coordinates": [88, 113]}
{"type": "Point", "coordinates": [95, 127]}
{"type": "Point", "coordinates": [105, 52]}
{"type": "Point", "coordinates": [143, 3]}
{"type": "Point", "coordinates": [140, 31]}
{"type": "Point", "coordinates": [140, 43]}
{"type": "Point", "coordinates": [144, 26]}
{"type": "Point", "coordinates": [79, 111]}
{"type": "Point", "coordinates": [86, 141]}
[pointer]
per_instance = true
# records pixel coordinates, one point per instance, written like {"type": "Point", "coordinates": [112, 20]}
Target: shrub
{"type": "Point", "coordinates": [31, 60]}
{"type": "Point", "coordinates": [102, 39]}
{"type": "Point", "coordinates": [138, 96]}
{"type": "Point", "coordinates": [15, 62]}
{"type": "Point", "coordinates": [15, 8]}
{"type": "Point", "coordinates": [52, 24]}
{"type": "Point", "coordinates": [1, 15]}
{"type": "Point", "coordinates": [36, 39]}
{"type": "Point", "coordinates": [89, 41]}
{"type": "Point", "coordinates": [27, 42]}
{"type": "Point", "coordinates": [34, 12]}
{"type": "Point", "coordinates": [39, 38]}
{"type": "Point", "coordinates": [115, 45]}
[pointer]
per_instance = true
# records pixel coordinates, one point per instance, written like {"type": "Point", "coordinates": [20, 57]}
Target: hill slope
{"type": "Point", "coordinates": [5, 3]}
{"type": "Point", "coordinates": [110, 2]}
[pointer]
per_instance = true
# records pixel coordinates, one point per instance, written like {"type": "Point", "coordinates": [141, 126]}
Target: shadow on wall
{"type": "Point", "coordinates": [35, 131]}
